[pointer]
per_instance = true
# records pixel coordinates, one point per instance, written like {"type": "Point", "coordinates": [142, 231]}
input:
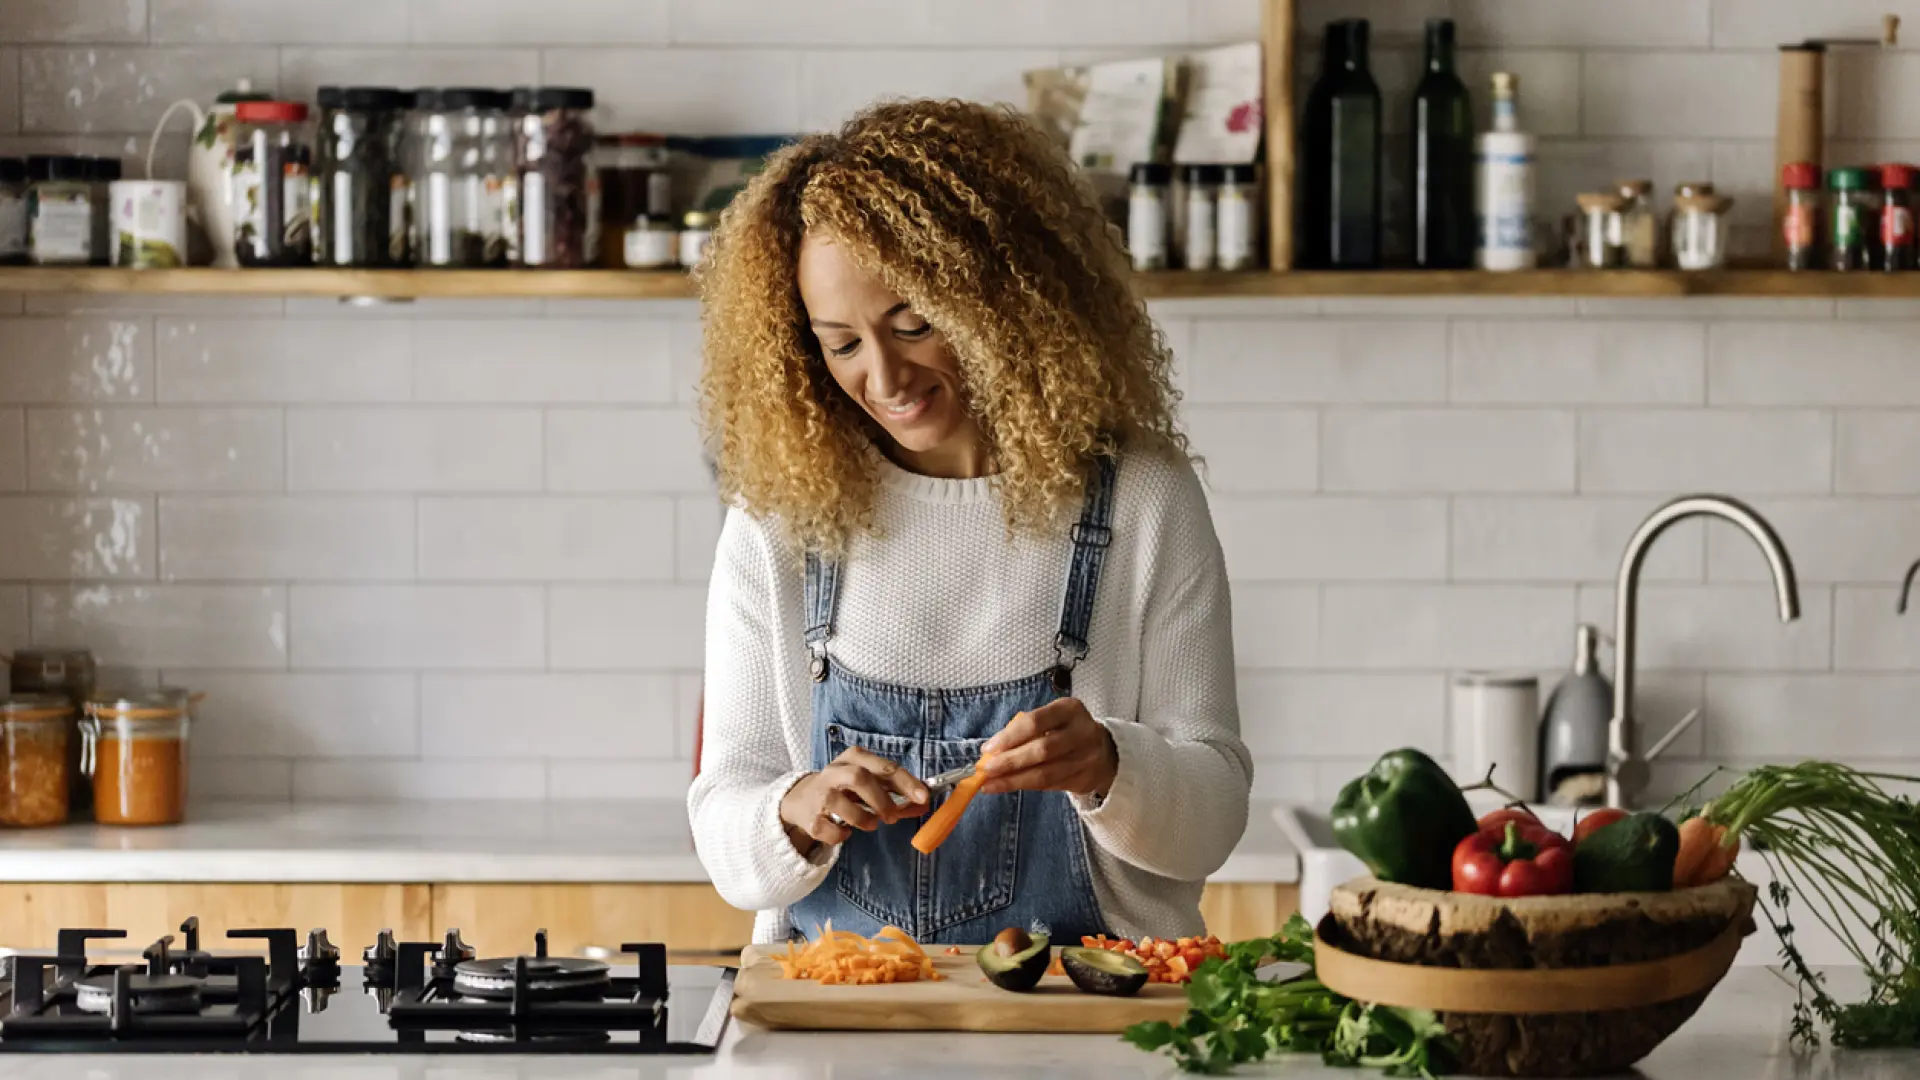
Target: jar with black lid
{"type": "Point", "coordinates": [13, 211]}
{"type": "Point", "coordinates": [463, 164]}
{"type": "Point", "coordinates": [360, 179]}
{"type": "Point", "coordinates": [559, 189]}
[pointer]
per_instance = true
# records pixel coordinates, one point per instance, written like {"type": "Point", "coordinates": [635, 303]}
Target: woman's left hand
{"type": "Point", "coordinates": [1056, 747]}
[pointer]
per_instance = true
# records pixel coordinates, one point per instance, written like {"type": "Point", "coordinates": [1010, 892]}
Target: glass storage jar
{"type": "Point", "coordinates": [634, 183]}
{"type": "Point", "coordinates": [137, 756]}
{"type": "Point", "coordinates": [1700, 231]}
{"type": "Point", "coordinates": [559, 186]}
{"type": "Point", "coordinates": [360, 181]}
{"type": "Point", "coordinates": [59, 210]}
{"type": "Point", "coordinates": [68, 673]}
{"type": "Point", "coordinates": [272, 184]}
{"type": "Point", "coordinates": [36, 733]}
{"type": "Point", "coordinates": [13, 211]}
{"type": "Point", "coordinates": [463, 165]}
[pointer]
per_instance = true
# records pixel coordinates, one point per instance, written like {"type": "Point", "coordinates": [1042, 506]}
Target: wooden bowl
{"type": "Point", "coordinates": [1537, 986]}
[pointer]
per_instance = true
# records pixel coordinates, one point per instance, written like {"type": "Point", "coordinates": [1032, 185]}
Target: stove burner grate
{"type": "Point", "coordinates": [546, 978]}
{"type": "Point", "coordinates": [146, 993]}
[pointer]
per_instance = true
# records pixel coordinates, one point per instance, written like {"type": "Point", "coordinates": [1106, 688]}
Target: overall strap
{"type": "Point", "coordinates": [822, 594]}
{"type": "Point", "coordinates": [1091, 535]}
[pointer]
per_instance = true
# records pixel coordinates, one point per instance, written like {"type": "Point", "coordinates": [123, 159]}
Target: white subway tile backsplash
{"type": "Point", "coordinates": [636, 780]}
{"type": "Point", "coordinates": [836, 84]}
{"type": "Point", "coordinates": [689, 704]}
{"type": "Point", "coordinates": [74, 22]}
{"type": "Point", "coordinates": [1677, 95]}
{"type": "Point", "coordinates": [16, 603]}
{"type": "Point", "coordinates": [683, 342]}
{"type": "Point", "coordinates": [625, 450]}
{"type": "Point", "coordinates": [13, 450]}
{"type": "Point", "coordinates": [421, 449]}
{"type": "Point", "coordinates": [1334, 539]}
{"type": "Point", "coordinates": [251, 779]}
{"type": "Point", "coordinates": [1869, 632]}
{"type": "Point", "coordinates": [578, 361]}
{"type": "Point", "coordinates": [1772, 452]}
{"type": "Point", "coordinates": [1829, 540]}
{"type": "Point", "coordinates": [1255, 449]}
{"type": "Point", "coordinates": [1721, 627]}
{"type": "Point", "coordinates": [1767, 309]}
{"type": "Point", "coordinates": [1222, 22]}
{"type": "Point", "coordinates": [1576, 23]}
{"type": "Point", "coordinates": [536, 717]}
{"type": "Point", "coordinates": [1288, 779]}
{"type": "Point", "coordinates": [46, 361]}
{"type": "Point", "coordinates": [1595, 363]}
{"type": "Point", "coordinates": [1314, 715]}
{"type": "Point", "coordinates": [552, 22]}
{"type": "Point", "coordinates": [1867, 87]}
{"type": "Point", "coordinates": [167, 626]}
{"type": "Point", "coordinates": [9, 92]}
{"type": "Point", "coordinates": [1564, 540]}
{"type": "Point", "coordinates": [1875, 453]}
{"type": "Point", "coordinates": [696, 527]}
{"type": "Point", "coordinates": [138, 449]}
{"type": "Point", "coordinates": [403, 627]}
{"type": "Point", "coordinates": [323, 780]}
{"type": "Point", "coordinates": [1446, 450]}
{"type": "Point", "coordinates": [892, 23]}
{"type": "Point", "coordinates": [54, 538]}
{"type": "Point", "coordinates": [303, 714]}
{"type": "Point", "coordinates": [1309, 361]}
{"type": "Point", "coordinates": [687, 91]}
{"type": "Point", "coordinates": [1814, 364]}
{"type": "Point", "coordinates": [1442, 627]}
{"type": "Point", "coordinates": [1403, 20]}
{"type": "Point", "coordinates": [1076, 23]}
{"type": "Point", "coordinates": [282, 538]}
{"type": "Point", "coordinates": [1765, 24]}
{"type": "Point", "coordinates": [123, 91]}
{"type": "Point", "coordinates": [132, 149]}
{"type": "Point", "coordinates": [1865, 717]}
{"type": "Point", "coordinates": [271, 22]}
{"type": "Point", "coordinates": [1275, 626]}
{"type": "Point", "coordinates": [304, 69]}
{"type": "Point", "coordinates": [1549, 87]}
{"type": "Point", "coordinates": [546, 539]}
{"type": "Point", "coordinates": [268, 361]}
{"type": "Point", "coordinates": [626, 627]}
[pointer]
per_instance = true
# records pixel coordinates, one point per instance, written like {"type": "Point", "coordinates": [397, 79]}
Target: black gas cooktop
{"type": "Point", "coordinates": [405, 997]}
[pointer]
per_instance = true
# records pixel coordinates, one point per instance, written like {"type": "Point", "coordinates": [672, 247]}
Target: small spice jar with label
{"type": "Point", "coordinates": [652, 243]}
{"type": "Point", "coordinates": [696, 232]}
{"type": "Point", "coordinates": [1897, 241]}
{"type": "Point", "coordinates": [1639, 225]}
{"type": "Point", "coordinates": [1800, 223]}
{"type": "Point", "coordinates": [1600, 247]}
{"type": "Point", "coordinates": [35, 739]}
{"type": "Point", "coordinates": [1700, 231]}
{"type": "Point", "coordinates": [1236, 217]}
{"type": "Point", "coordinates": [1852, 214]}
{"type": "Point", "coordinates": [1149, 215]}
{"type": "Point", "coordinates": [137, 756]}
{"type": "Point", "coordinates": [1202, 200]}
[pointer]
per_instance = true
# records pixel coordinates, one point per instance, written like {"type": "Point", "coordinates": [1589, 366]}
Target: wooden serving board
{"type": "Point", "coordinates": [963, 1001]}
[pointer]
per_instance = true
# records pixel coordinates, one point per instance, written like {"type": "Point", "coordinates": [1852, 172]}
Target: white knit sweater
{"type": "Point", "coordinates": [941, 597]}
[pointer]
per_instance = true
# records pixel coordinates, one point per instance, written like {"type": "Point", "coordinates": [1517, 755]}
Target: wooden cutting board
{"type": "Point", "coordinates": [963, 1001]}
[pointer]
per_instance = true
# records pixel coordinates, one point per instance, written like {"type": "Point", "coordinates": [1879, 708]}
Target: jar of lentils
{"type": "Point", "coordinates": [559, 186]}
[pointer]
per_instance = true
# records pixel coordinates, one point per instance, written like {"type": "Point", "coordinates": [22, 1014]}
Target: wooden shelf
{"type": "Point", "coordinates": [1170, 285]}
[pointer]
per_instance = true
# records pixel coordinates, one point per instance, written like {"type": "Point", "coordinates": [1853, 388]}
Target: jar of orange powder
{"type": "Point", "coordinates": [137, 756]}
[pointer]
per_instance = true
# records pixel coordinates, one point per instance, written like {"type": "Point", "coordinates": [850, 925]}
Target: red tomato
{"type": "Point", "coordinates": [1594, 822]}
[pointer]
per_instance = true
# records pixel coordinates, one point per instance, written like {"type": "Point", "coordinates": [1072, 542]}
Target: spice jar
{"type": "Point", "coordinates": [1896, 218]}
{"type": "Point", "coordinates": [69, 674]}
{"type": "Point", "coordinates": [1600, 247]}
{"type": "Point", "coordinates": [1639, 226]}
{"type": "Point", "coordinates": [1700, 231]}
{"type": "Point", "coordinates": [13, 211]}
{"type": "Point", "coordinates": [652, 244]}
{"type": "Point", "coordinates": [1852, 210]}
{"type": "Point", "coordinates": [634, 183]}
{"type": "Point", "coordinates": [59, 211]}
{"type": "Point", "coordinates": [137, 756]}
{"type": "Point", "coordinates": [272, 186]}
{"type": "Point", "coordinates": [559, 187]}
{"type": "Point", "coordinates": [360, 181]}
{"type": "Point", "coordinates": [1149, 216]}
{"type": "Point", "coordinates": [696, 232]}
{"type": "Point", "coordinates": [1236, 217]}
{"type": "Point", "coordinates": [1202, 201]}
{"type": "Point", "coordinates": [1800, 224]}
{"type": "Point", "coordinates": [464, 164]}
{"type": "Point", "coordinates": [36, 740]}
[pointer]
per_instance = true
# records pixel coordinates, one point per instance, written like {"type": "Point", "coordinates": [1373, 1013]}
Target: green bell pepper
{"type": "Point", "coordinates": [1403, 818]}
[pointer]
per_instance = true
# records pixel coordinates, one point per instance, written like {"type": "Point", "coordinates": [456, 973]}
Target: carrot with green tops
{"type": "Point", "coordinates": [941, 824]}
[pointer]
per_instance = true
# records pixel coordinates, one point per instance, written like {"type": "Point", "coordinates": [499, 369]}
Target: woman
{"type": "Point", "coordinates": [963, 522]}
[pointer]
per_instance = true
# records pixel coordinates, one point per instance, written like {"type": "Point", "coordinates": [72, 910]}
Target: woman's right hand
{"type": "Point", "coordinates": [855, 787]}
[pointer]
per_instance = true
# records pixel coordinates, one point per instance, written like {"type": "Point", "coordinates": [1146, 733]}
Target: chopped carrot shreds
{"type": "Point", "coordinates": [840, 958]}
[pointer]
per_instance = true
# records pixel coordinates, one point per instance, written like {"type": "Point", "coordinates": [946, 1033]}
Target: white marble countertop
{"type": "Point", "coordinates": [643, 841]}
{"type": "Point", "coordinates": [1740, 1034]}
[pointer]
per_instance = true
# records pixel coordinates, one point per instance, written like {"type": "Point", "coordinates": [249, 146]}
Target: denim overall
{"type": "Point", "coordinates": [1015, 859]}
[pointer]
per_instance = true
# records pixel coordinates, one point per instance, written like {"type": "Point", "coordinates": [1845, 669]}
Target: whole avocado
{"type": "Point", "coordinates": [1634, 854]}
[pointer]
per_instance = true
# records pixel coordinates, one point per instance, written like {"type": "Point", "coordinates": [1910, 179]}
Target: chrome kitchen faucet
{"type": "Point", "coordinates": [1627, 769]}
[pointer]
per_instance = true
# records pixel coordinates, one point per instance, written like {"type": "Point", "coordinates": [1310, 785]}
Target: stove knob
{"type": "Point", "coordinates": [455, 951]}
{"type": "Point", "coordinates": [382, 951]}
{"type": "Point", "coordinates": [318, 949]}
{"type": "Point", "coordinates": [315, 998]}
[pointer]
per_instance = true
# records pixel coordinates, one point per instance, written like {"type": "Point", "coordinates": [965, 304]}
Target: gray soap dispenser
{"type": "Point", "coordinates": [1573, 730]}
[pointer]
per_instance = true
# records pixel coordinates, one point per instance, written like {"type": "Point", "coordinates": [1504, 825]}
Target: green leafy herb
{"type": "Point", "coordinates": [1234, 1018]}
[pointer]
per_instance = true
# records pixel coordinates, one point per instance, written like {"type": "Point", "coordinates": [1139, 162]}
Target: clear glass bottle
{"type": "Point", "coordinates": [13, 211]}
{"type": "Point", "coordinates": [559, 186]}
{"type": "Point", "coordinates": [1639, 225]}
{"type": "Point", "coordinates": [59, 211]}
{"type": "Point", "coordinates": [272, 184]}
{"type": "Point", "coordinates": [1149, 214]}
{"type": "Point", "coordinates": [462, 164]}
{"type": "Point", "coordinates": [1700, 231]}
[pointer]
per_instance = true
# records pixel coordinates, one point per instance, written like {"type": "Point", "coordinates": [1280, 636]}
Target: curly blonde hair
{"type": "Point", "coordinates": [976, 219]}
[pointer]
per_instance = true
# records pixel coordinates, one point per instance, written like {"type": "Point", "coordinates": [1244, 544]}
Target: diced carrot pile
{"type": "Point", "coordinates": [1165, 961]}
{"type": "Point", "coordinates": [842, 958]}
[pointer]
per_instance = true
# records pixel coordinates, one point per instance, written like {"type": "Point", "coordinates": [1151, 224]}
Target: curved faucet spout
{"type": "Point", "coordinates": [1626, 771]}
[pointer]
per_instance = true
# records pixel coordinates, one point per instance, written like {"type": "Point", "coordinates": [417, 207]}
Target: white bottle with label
{"type": "Point", "coordinates": [1503, 184]}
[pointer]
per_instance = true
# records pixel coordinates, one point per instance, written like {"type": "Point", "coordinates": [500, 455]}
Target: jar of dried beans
{"type": "Point", "coordinates": [137, 755]}
{"type": "Point", "coordinates": [35, 733]}
{"type": "Point", "coordinates": [559, 185]}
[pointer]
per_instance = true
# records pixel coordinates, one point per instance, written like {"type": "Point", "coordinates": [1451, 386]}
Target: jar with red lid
{"type": "Point", "coordinates": [272, 176]}
{"type": "Point", "coordinates": [1800, 224]}
{"type": "Point", "coordinates": [1897, 241]}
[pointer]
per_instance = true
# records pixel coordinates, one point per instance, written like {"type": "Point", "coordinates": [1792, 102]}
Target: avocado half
{"type": "Point", "coordinates": [1099, 971]}
{"type": "Point", "coordinates": [1014, 960]}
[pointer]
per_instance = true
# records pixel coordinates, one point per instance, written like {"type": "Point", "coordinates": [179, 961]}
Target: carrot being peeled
{"type": "Point", "coordinates": [942, 823]}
